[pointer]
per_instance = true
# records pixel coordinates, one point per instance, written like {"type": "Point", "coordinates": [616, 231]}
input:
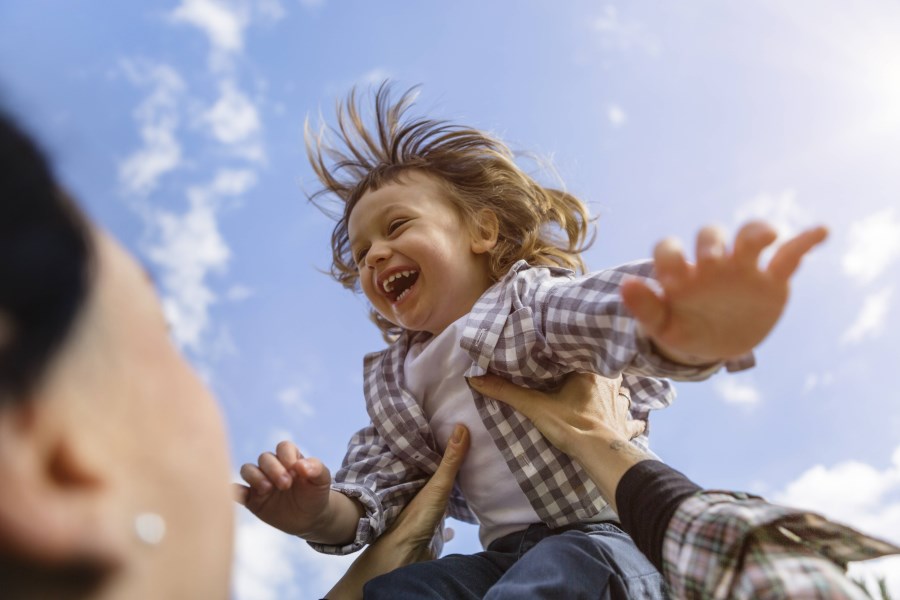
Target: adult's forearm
{"type": "Point", "coordinates": [643, 491]}
{"type": "Point", "coordinates": [606, 457]}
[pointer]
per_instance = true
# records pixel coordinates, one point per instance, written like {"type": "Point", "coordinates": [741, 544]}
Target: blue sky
{"type": "Point", "coordinates": [179, 125]}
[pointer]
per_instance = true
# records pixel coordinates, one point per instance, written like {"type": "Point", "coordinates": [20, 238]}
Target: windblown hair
{"type": "Point", "coordinates": [45, 255]}
{"type": "Point", "coordinates": [541, 225]}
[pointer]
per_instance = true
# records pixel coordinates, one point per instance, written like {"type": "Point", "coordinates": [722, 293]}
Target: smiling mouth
{"type": "Point", "coordinates": [397, 286]}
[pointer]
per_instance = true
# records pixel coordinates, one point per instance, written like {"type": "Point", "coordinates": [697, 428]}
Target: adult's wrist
{"type": "Point", "coordinates": [606, 456]}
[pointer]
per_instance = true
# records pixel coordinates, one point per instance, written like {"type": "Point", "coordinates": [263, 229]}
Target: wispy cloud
{"type": "Point", "coordinates": [860, 495]}
{"type": "Point", "coordinates": [781, 210]}
{"type": "Point", "coordinates": [189, 247]}
{"type": "Point", "coordinates": [262, 562]}
{"type": "Point", "coordinates": [234, 121]}
{"type": "Point", "coordinates": [222, 23]}
{"type": "Point", "coordinates": [624, 34]}
{"type": "Point", "coordinates": [270, 564]}
{"type": "Point", "coordinates": [157, 118]}
{"type": "Point", "coordinates": [733, 391]}
{"type": "Point", "coordinates": [874, 245]}
{"type": "Point", "coordinates": [272, 10]}
{"type": "Point", "coordinates": [616, 115]}
{"type": "Point", "coordinates": [871, 319]}
{"type": "Point", "coordinates": [294, 400]}
{"type": "Point", "coordinates": [817, 380]}
{"type": "Point", "coordinates": [239, 293]}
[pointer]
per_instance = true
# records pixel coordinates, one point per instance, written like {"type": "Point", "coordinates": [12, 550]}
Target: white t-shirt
{"type": "Point", "coordinates": [434, 375]}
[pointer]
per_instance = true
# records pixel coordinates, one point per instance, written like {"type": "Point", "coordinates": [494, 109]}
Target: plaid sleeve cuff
{"type": "Point", "coordinates": [370, 525]}
{"type": "Point", "coordinates": [706, 546]}
{"type": "Point", "coordinates": [661, 366]}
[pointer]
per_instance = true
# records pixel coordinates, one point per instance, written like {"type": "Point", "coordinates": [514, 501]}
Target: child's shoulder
{"type": "Point", "coordinates": [523, 272]}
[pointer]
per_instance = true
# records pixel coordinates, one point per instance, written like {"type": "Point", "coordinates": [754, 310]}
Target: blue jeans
{"type": "Point", "coordinates": [587, 560]}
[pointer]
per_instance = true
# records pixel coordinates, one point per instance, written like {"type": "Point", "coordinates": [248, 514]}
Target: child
{"type": "Point", "coordinates": [451, 242]}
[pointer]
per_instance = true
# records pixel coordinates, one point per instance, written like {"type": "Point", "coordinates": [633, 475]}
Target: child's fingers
{"type": "Point", "coordinates": [710, 246]}
{"type": "Point", "coordinates": [256, 479]}
{"type": "Point", "coordinates": [287, 453]}
{"type": "Point", "coordinates": [787, 258]}
{"type": "Point", "coordinates": [648, 308]}
{"type": "Point", "coordinates": [750, 242]}
{"type": "Point", "coordinates": [241, 493]}
{"type": "Point", "coordinates": [669, 262]}
{"type": "Point", "coordinates": [313, 471]}
{"type": "Point", "coordinates": [275, 471]}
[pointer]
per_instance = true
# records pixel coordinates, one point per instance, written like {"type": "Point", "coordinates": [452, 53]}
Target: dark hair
{"type": "Point", "coordinates": [45, 254]}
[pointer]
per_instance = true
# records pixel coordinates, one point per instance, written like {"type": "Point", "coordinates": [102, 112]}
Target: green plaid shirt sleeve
{"type": "Point", "coordinates": [736, 546]}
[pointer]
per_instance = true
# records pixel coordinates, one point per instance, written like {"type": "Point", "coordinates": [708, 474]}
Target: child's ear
{"type": "Point", "coordinates": [485, 231]}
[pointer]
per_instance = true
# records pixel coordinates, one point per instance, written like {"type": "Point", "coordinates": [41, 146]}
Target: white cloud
{"type": "Point", "coordinates": [616, 115]}
{"type": "Point", "coordinates": [375, 76]}
{"type": "Point", "coordinates": [188, 248]}
{"type": "Point", "coordinates": [270, 564]}
{"type": "Point", "coordinates": [817, 380]}
{"type": "Point", "coordinates": [157, 117]}
{"type": "Point", "coordinates": [870, 321]}
{"type": "Point", "coordinates": [860, 495]}
{"type": "Point", "coordinates": [736, 392]}
{"type": "Point", "coordinates": [623, 34]}
{"type": "Point", "coordinates": [293, 399]}
{"type": "Point", "coordinates": [874, 244]}
{"type": "Point", "coordinates": [270, 9]}
{"type": "Point", "coordinates": [231, 182]}
{"type": "Point", "coordinates": [262, 565]}
{"type": "Point", "coordinates": [781, 210]}
{"type": "Point", "coordinates": [238, 293]}
{"type": "Point", "coordinates": [234, 122]}
{"type": "Point", "coordinates": [223, 24]}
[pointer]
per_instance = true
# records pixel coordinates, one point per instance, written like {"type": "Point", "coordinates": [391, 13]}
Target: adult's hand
{"type": "Point", "coordinates": [587, 418]}
{"type": "Point", "coordinates": [408, 539]}
{"type": "Point", "coordinates": [586, 405]}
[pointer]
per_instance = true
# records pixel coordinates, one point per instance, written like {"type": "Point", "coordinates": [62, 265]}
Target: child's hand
{"type": "Point", "coordinates": [286, 490]}
{"type": "Point", "coordinates": [723, 306]}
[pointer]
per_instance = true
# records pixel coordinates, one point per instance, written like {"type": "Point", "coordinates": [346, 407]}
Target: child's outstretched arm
{"type": "Point", "coordinates": [726, 304]}
{"type": "Point", "coordinates": [293, 493]}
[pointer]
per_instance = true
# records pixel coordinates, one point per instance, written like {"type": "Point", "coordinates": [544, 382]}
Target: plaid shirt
{"type": "Point", "coordinates": [736, 546]}
{"type": "Point", "coordinates": [533, 327]}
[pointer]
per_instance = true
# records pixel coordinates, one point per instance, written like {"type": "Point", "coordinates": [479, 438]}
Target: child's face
{"type": "Point", "coordinates": [419, 264]}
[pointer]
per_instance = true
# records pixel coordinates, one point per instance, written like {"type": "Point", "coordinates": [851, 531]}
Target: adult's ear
{"type": "Point", "coordinates": [53, 508]}
{"type": "Point", "coordinates": [486, 230]}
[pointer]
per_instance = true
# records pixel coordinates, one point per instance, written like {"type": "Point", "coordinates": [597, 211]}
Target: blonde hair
{"type": "Point", "coordinates": [540, 225]}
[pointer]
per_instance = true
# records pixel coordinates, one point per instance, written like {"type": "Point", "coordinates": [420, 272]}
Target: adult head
{"type": "Point", "coordinates": [112, 454]}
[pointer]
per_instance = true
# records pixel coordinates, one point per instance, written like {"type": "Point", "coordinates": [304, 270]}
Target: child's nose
{"type": "Point", "coordinates": [378, 252]}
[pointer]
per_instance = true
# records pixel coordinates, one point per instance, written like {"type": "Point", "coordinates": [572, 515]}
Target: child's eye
{"type": "Point", "coordinates": [395, 224]}
{"type": "Point", "coordinates": [360, 257]}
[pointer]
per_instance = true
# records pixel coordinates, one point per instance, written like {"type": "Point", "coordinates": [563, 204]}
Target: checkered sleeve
{"type": "Point", "coordinates": [379, 480]}
{"type": "Point", "coordinates": [737, 546]}
{"type": "Point", "coordinates": [587, 326]}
